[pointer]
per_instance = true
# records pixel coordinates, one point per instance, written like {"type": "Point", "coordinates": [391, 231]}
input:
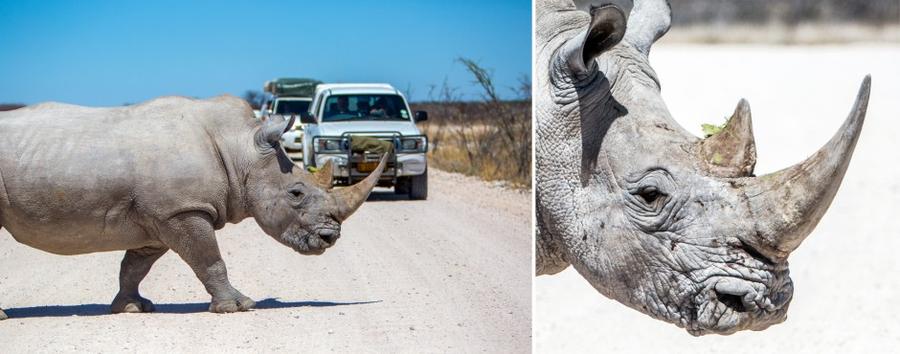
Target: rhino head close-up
{"type": "Point", "coordinates": [669, 224]}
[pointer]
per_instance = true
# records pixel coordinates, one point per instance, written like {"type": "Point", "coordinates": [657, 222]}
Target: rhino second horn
{"type": "Point", "coordinates": [348, 199]}
{"type": "Point", "coordinates": [732, 152]}
{"type": "Point", "coordinates": [606, 29]}
{"type": "Point", "coordinates": [325, 175]}
{"type": "Point", "coordinates": [789, 203]}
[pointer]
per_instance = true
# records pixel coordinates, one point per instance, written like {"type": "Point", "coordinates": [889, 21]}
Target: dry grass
{"type": "Point", "coordinates": [490, 138]}
{"type": "Point", "coordinates": [467, 137]}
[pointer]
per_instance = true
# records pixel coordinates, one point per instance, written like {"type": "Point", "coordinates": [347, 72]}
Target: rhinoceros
{"type": "Point", "coordinates": [162, 175]}
{"type": "Point", "coordinates": [669, 224]}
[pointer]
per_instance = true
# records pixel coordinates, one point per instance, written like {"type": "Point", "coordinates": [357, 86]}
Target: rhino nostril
{"type": "Point", "coordinates": [753, 252]}
{"type": "Point", "coordinates": [328, 235]}
{"type": "Point", "coordinates": [733, 302]}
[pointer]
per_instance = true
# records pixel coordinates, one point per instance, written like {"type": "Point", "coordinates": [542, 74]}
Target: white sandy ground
{"type": "Point", "coordinates": [451, 274]}
{"type": "Point", "coordinates": [846, 274]}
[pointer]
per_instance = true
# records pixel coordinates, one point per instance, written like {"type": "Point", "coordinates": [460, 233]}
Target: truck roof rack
{"type": "Point", "coordinates": [301, 87]}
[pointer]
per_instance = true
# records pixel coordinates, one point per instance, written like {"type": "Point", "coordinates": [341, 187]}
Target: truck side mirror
{"type": "Point", "coordinates": [421, 116]}
{"type": "Point", "coordinates": [307, 118]}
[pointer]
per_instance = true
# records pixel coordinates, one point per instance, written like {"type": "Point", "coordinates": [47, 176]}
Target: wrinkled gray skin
{"type": "Point", "coordinates": [158, 176]}
{"type": "Point", "coordinates": [673, 226]}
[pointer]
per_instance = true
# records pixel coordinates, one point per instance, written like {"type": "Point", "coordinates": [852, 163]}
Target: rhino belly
{"type": "Point", "coordinates": [78, 232]}
{"type": "Point", "coordinates": [70, 206]}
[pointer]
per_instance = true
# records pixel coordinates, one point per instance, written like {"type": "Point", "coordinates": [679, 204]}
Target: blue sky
{"type": "Point", "coordinates": [104, 53]}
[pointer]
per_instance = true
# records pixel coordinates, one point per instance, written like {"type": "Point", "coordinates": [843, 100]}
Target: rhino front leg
{"type": "Point", "coordinates": [135, 266]}
{"type": "Point", "coordinates": [192, 237]}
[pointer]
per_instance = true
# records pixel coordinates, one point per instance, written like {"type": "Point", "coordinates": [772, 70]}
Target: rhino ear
{"type": "Point", "coordinates": [649, 20]}
{"type": "Point", "coordinates": [732, 151]}
{"type": "Point", "coordinates": [272, 129]}
{"type": "Point", "coordinates": [607, 28]}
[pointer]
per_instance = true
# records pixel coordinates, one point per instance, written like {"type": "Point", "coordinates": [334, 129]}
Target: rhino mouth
{"type": "Point", "coordinates": [313, 242]}
{"type": "Point", "coordinates": [726, 305]}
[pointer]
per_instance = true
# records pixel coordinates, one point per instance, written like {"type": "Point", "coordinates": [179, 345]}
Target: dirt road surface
{"type": "Point", "coordinates": [450, 274]}
{"type": "Point", "coordinates": [845, 274]}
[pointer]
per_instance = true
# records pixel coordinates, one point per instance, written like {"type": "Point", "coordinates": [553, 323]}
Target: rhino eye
{"type": "Point", "coordinates": [296, 193]}
{"type": "Point", "coordinates": [649, 194]}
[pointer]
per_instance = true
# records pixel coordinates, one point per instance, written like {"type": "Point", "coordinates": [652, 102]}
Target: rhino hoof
{"type": "Point", "coordinates": [131, 305]}
{"type": "Point", "coordinates": [241, 303]}
{"type": "Point", "coordinates": [3, 315]}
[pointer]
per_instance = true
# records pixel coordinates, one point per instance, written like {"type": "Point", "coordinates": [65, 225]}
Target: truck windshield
{"type": "Point", "coordinates": [364, 107]}
{"type": "Point", "coordinates": [291, 107]}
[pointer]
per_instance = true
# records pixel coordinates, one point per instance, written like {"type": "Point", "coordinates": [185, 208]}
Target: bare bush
{"type": "Point", "coordinates": [489, 138]}
{"type": "Point", "coordinates": [254, 98]}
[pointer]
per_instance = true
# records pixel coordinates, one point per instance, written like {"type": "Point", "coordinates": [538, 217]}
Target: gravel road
{"type": "Point", "coordinates": [449, 274]}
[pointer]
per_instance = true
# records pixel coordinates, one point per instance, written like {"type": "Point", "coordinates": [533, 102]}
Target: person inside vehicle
{"type": "Point", "coordinates": [343, 106]}
{"type": "Point", "coordinates": [379, 109]}
{"type": "Point", "coordinates": [362, 107]}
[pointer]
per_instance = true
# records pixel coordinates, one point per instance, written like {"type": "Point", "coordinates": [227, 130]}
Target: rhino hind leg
{"type": "Point", "coordinates": [192, 236]}
{"type": "Point", "coordinates": [135, 266]}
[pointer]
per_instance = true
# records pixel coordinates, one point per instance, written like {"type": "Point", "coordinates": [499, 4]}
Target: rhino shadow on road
{"type": "Point", "coordinates": [183, 308]}
{"type": "Point", "coordinates": [386, 196]}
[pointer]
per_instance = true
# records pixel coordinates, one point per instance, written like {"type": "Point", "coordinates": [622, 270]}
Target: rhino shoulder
{"type": "Point", "coordinates": [231, 108]}
{"type": "Point", "coordinates": [223, 108]}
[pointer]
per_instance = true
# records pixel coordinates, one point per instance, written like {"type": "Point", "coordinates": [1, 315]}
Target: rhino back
{"type": "Point", "coordinates": [80, 180]}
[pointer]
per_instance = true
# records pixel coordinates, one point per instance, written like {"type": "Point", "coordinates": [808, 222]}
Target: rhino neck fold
{"type": "Point", "coordinates": [574, 113]}
{"type": "Point", "coordinates": [550, 257]}
{"type": "Point", "coordinates": [237, 169]}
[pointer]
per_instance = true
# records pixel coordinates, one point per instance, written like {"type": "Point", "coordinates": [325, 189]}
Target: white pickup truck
{"type": "Point", "coordinates": [340, 112]}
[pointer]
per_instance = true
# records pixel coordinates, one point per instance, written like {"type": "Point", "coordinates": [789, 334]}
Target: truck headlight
{"type": "Point", "coordinates": [330, 145]}
{"type": "Point", "coordinates": [413, 144]}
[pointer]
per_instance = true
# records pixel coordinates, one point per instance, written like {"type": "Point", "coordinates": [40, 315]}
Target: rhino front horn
{"type": "Point", "coordinates": [789, 203]}
{"type": "Point", "coordinates": [348, 199]}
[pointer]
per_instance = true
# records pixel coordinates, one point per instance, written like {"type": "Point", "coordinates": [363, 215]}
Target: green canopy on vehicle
{"type": "Point", "coordinates": [362, 144]}
{"type": "Point", "coordinates": [370, 144]}
{"type": "Point", "coordinates": [301, 87]}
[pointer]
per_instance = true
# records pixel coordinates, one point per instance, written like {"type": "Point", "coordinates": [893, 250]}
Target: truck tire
{"type": "Point", "coordinates": [418, 188]}
{"type": "Point", "coordinates": [402, 185]}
